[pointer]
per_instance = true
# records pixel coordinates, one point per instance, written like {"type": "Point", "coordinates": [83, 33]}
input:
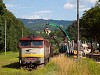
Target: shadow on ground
{"type": "Point", "coordinates": [12, 65]}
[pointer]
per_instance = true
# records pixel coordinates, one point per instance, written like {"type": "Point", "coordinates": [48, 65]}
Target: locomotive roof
{"type": "Point", "coordinates": [31, 38]}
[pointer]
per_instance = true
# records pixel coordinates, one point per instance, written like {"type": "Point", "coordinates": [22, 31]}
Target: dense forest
{"type": "Point", "coordinates": [14, 29]}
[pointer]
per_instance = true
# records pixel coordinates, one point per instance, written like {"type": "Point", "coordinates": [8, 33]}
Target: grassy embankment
{"type": "Point", "coordinates": [57, 66]}
{"type": "Point", "coordinates": [84, 66]}
{"type": "Point", "coordinates": [9, 66]}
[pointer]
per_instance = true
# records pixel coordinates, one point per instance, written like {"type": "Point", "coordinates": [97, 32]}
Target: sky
{"type": "Point", "coordinates": [48, 9]}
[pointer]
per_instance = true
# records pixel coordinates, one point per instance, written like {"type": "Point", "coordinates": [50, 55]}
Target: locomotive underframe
{"type": "Point", "coordinates": [31, 62]}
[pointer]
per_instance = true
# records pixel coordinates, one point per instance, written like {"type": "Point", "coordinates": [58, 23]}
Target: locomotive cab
{"type": "Point", "coordinates": [33, 51]}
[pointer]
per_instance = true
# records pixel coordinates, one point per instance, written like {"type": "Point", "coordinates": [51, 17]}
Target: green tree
{"type": "Point", "coordinates": [14, 29]}
{"type": "Point", "coordinates": [72, 30]}
{"type": "Point", "coordinates": [90, 23]}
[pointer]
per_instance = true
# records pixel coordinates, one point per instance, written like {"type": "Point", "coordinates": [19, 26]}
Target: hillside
{"type": "Point", "coordinates": [14, 29]}
{"type": "Point", "coordinates": [39, 24]}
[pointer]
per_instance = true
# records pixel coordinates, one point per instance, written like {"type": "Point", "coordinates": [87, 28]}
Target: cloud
{"type": "Point", "coordinates": [43, 12]}
{"type": "Point", "coordinates": [83, 8]}
{"type": "Point", "coordinates": [16, 6]}
{"type": "Point", "coordinates": [31, 17]}
{"type": "Point", "coordinates": [84, 4]}
{"type": "Point", "coordinates": [88, 1]}
{"type": "Point", "coordinates": [34, 17]}
{"type": "Point", "coordinates": [69, 6]}
{"type": "Point", "coordinates": [93, 1]}
{"type": "Point", "coordinates": [9, 5]}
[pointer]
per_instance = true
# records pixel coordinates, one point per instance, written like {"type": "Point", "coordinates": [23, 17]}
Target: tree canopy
{"type": "Point", "coordinates": [14, 28]}
{"type": "Point", "coordinates": [90, 23]}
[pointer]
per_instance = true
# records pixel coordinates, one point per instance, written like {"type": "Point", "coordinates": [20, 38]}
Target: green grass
{"type": "Point", "coordinates": [59, 65]}
{"type": "Point", "coordinates": [9, 66]}
{"type": "Point", "coordinates": [68, 66]}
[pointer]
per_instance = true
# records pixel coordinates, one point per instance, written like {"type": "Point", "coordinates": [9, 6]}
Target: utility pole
{"type": "Point", "coordinates": [5, 35]}
{"type": "Point", "coordinates": [78, 28]}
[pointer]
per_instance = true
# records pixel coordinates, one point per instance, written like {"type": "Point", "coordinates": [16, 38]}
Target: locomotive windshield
{"type": "Point", "coordinates": [25, 43]}
{"type": "Point", "coordinates": [37, 43]}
